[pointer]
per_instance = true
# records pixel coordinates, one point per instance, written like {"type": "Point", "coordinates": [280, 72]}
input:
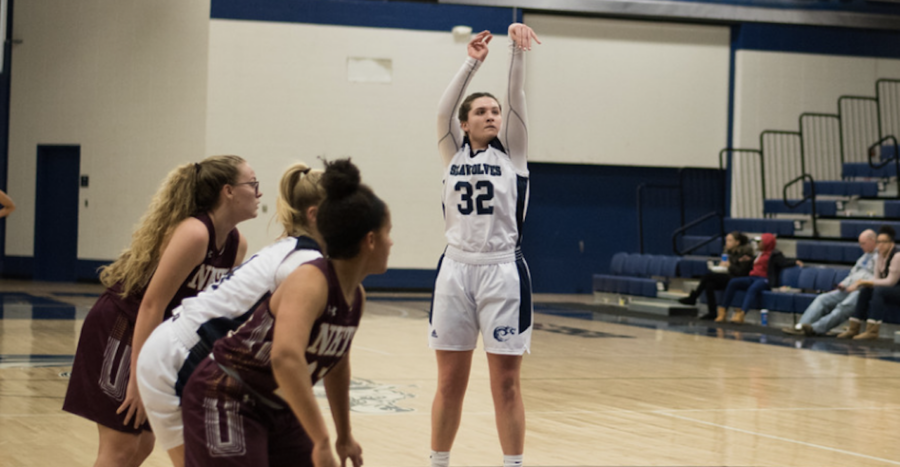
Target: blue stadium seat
{"type": "Point", "coordinates": [654, 265]}
{"type": "Point", "coordinates": [824, 280]}
{"type": "Point", "coordinates": [670, 266]}
{"type": "Point", "coordinates": [842, 188]}
{"type": "Point", "coordinates": [852, 229]}
{"type": "Point", "coordinates": [784, 227]}
{"type": "Point", "coordinates": [790, 277]}
{"type": "Point", "coordinates": [617, 265]}
{"type": "Point", "coordinates": [631, 265]}
{"type": "Point", "coordinates": [892, 208]}
{"type": "Point", "coordinates": [642, 263]}
{"type": "Point", "coordinates": [827, 251]}
{"type": "Point", "coordinates": [824, 208]}
{"type": "Point", "coordinates": [775, 301]}
{"type": "Point", "coordinates": [863, 170]}
{"type": "Point", "coordinates": [840, 275]}
{"type": "Point", "coordinates": [802, 301]}
{"type": "Point", "coordinates": [807, 279]}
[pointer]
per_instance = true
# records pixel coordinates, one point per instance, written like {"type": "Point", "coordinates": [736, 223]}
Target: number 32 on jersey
{"type": "Point", "coordinates": [475, 199]}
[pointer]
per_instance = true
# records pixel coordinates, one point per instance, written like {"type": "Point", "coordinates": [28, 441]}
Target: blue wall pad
{"type": "Point", "coordinates": [365, 13]}
{"type": "Point", "coordinates": [713, 248]}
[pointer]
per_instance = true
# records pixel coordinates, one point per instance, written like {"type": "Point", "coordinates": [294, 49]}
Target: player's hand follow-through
{"type": "Point", "coordinates": [522, 36]}
{"type": "Point", "coordinates": [478, 46]}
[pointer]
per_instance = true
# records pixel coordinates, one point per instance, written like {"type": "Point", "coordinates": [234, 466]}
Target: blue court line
{"type": "Point", "coordinates": [18, 305]}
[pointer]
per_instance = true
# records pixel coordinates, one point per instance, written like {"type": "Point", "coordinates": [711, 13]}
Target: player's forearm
{"type": "Point", "coordinates": [515, 122]}
{"type": "Point", "coordinates": [295, 387]}
{"type": "Point", "coordinates": [337, 388]}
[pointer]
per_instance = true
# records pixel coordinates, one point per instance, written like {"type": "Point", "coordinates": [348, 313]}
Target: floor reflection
{"type": "Point", "coordinates": [881, 349]}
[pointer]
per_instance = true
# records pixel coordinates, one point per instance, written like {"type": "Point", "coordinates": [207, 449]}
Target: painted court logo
{"type": "Point", "coordinates": [504, 333]}
{"type": "Point", "coordinates": [370, 397]}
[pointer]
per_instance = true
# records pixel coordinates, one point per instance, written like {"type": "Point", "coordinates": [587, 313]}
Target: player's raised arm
{"type": "Point", "coordinates": [448, 131]}
{"type": "Point", "coordinates": [514, 135]}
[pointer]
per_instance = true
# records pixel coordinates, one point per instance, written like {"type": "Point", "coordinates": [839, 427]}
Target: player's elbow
{"type": "Point", "coordinates": [286, 360]}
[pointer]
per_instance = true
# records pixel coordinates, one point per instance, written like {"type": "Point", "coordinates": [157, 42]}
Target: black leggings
{"type": "Point", "coordinates": [710, 283]}
{"type": "Point", "coordinates": [872, 302]}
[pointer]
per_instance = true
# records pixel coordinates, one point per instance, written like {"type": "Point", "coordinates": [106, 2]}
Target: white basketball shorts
{"type": "Point", "coordinates": [493, 299]}
{"type": "Point", "coordinates": [160, 360]}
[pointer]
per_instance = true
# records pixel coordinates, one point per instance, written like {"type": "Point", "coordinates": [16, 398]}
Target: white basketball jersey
{"type": "Point", "coordinates": [485, 201]}
{"type": "Point", "coordinates": [238, 293]}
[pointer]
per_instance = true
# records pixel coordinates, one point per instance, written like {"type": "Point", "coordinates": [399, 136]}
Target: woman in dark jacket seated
{"type": "Point", "coordinates": [738, 262]}
{"type": "Point", "coordinates": [766, 267]}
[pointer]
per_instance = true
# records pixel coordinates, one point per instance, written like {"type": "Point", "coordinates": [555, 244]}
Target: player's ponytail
{"type": "Point", "coordinates": [350, 210]}
{"type": "Point", "coordinates": [189, 189]}
{"type": "Point", "coordinates": [299, 190]}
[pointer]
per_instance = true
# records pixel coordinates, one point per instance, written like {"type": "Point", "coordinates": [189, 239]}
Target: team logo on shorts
{"type": "Point", "coordinates": [434, 333]}
{"type": "Point", "coordinates": [504, 333]}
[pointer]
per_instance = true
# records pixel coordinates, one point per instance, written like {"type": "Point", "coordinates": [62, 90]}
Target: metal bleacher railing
{"type": "Point", "coordinates": [828, 147]}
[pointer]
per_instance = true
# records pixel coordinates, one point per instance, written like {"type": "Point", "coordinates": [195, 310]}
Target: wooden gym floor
{"type": "Point", "coordinates": [601, 388]}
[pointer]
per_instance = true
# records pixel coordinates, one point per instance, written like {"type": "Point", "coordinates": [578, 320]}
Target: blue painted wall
{"type": "Point", "coordinates": [596, 207]}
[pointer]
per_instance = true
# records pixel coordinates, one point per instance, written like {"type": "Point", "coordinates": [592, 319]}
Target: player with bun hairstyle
{"type": "Point", "coordinates": [185, 241]}
{"type": "Point", "coordinates": [177, 345]}
{"type": "Point", "coordinates": [252, 403]}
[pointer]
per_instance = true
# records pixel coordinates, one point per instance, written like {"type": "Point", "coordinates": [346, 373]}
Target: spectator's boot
{"type": "Point", "coordinates": [738, 316]}
{"type": "Point", "coordinates": [690, 299]}
{"type": "Point", "coordinates": [871, 331]}
{"type": "Point", "coordinates": [722, 312]}
{"type": "Point", "coordinates": [851, 331]}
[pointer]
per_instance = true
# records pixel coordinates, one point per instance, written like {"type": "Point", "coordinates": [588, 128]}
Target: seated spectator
{"type": "Point", "coordinates": [831, 309]}
{"type": "Point", "coordinates": [875, 294]}
{"type": "Point", "coordinates": [739, 261]}
{"type": "Point", "coordinates": [766, 268]}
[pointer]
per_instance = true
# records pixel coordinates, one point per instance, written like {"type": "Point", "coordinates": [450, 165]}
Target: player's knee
{"type": "Point", "coordinates": [451, 388]}
{"type": "Point", "coordinates": [143, 449]}
{"type": "Point", "coordinates": [506, 387]}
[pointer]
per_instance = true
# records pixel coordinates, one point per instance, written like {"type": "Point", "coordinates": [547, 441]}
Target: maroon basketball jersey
{"type": "Point", "coordinates": [215, 264]}
{"type": "Point", "coordinates": [247, 351]}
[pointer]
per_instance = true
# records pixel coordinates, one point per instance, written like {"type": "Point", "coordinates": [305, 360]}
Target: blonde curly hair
{"type": "Point", "coordinates": [188, 190]}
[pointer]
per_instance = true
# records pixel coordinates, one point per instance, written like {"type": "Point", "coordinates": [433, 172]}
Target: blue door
{"type": "Point", "coordinates": [56, 213]}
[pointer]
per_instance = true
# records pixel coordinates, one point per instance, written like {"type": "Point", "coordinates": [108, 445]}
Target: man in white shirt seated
{"type": "Point", "coordinates": [831, 309]}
